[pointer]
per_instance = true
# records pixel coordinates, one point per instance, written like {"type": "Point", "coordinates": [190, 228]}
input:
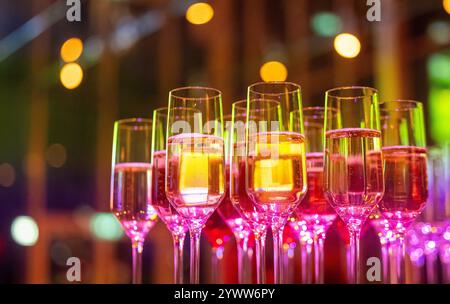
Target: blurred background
{"type": "Point", "coordinates": [63, 84]}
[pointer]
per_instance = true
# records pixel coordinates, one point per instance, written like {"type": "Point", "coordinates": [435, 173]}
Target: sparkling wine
{"type": "Point", "coordinates": [132, 199]}
{"type": "Point", "coordinates": [239, 196]}
{"type": "Point", "coordinates": [314, 208]}
{"type": "Point", "coordinates": [165, 210]}
{"type": "Point", "coordinates": [195, 174]}
{"type": "Point", "coordinates": [406, 188]}
{"type": "Point", "coordinates": [353, 177]}
{"type": "Point", "coordinates": [277, 173]}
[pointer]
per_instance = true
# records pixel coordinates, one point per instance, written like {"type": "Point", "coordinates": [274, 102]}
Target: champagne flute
{"type": "Point", "coordinates": [174, 222]}
{"type": "Point", "coordinates": [131, 184]}
{"type": "Point", "coordinates": [195, 168]}
{"type": "Point", "coordinates": [315, 210]}
{"type": "Point", "coordinates": [276, 169]}
{"type": "Point", "coordinates": [405, 165]}
{"type": "Point", "coordinates": [254, 216]}
{"type": "Point", "coordinates": [231, 216]}
{"type": "Point", "coordinates": [353, 174]}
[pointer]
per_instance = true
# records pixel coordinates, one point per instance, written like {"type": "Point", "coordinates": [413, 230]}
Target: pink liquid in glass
{"type": "Point", "coordinates": [231, 216]}
{"type": "Point", "coordinates": [131, 199]}
{"type": "Point", "coordinates": [314, 208]}
{"type": "Point", "coordinates": [174, 222]}
{"type": "Point", "coordinates": [353, 177]}
{"type": "Point", "coordinates": [255, 217]}
{"type": "Point", "coordinates": [406, 190]}
{"type": "Point", "coordinates": [195, 175]}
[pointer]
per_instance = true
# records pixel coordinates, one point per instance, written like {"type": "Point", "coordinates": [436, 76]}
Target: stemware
{"type": "Point", "coordinates": [174, 222]}
{"type": "Point", "coordinates": [254, 217]}
{"type": "Point", "coordinates": [195, 168]}
{"type": "Point", "coordinates": [315, 210]}
{"type": "Point", "coordinates": [231, 216]}
{"type": "Point", "coordinates": [217, 233]}
{"type": "Point", "coordinates": [276, 169]}
{"type": "Point", "coordinates": [131, 184]}
{"type": "Point", "coordinates": [353, 174]}
{"type": "Point", "coordinates": [405, 165]}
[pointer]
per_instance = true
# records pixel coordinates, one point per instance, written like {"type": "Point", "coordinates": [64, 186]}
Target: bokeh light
{"type": "Point", "coordinates": [56, 155]}
{"type": "Point", "coordinates": [439, 32]}
{"type": "Point", "coordinates": [71, 49]}
{"type": "Point", "coordinates": [71, 75]}
{"type": "Point", "coordinates": [446, 4]}
{"type": "Point", "coordinates": [199, 13]}
{"type": "Point", "coordinates": [326, 24]}
{"type": "Point", "coordinates": [7, 175]}
{"type": "Point", "coordinates": [24, 230]}
{"type": "Point", "coordinates": [273, 71]}
{"type": "Point", "coordinates": [106, 227]}
{"type": "Point", "coordinates": [347, 45]}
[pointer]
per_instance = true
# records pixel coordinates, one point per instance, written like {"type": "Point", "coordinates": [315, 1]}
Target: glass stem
{"type": "Point", "coordinates": [385, 261]}
{"type": "Point", "coordinates": [216, 273]}
{"type": "Point", "coordinates": [195, 256]}
{"type": "Point", "coordinates": [318, 259]}
{"type": "Point", "coordinates": [260, 247]}
{"type": "Point", "coordinates": [446, 273]}
{"type": "Point", "coordinates": [354, 268]}
{"type": "Point", "coordinates": [306, 261]}
{"type": "Point", "coordinates": [137, 248]}
{"type": "Point", "coordinates": [243, 263]}
{"type": "Point", "coordinates": [401, 253]}
{"type": "Point", "coordinates": [393, 250]}
{"type": "Point", "coordinates": [178, 242]}
{"type": "Point", "coordinates": [277, 233]}
{"type": "Point", "coordinates": [430, 260]}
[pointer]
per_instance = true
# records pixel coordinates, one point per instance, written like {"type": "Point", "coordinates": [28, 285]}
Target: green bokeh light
{"type": "Point", "coordinates": [105, 226]}
{"type": "Point", "coordinates": [326, 24]}
{"type": "Point", "coordinates": [440, 114]}
{"type": "Point", "coordinates": [439, 69]}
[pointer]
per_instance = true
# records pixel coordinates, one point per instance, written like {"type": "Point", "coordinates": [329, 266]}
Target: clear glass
{"type": "Point", "coordinates": [353, 174]}
{"type": "Point", "coordinates": [174, 222]}
{"type": "Point", "coordinates": [276, 160]}
{"type": "Point", "coordinates": [315, 210]}
{"type": "Point", "coordinates": [247, 209]}
{"type": "Point", "coordinates": [131, 184]}
{"type": "Point", "coordinates": [195, 162]}
{"type": "Point", "coordinates": [405, 165]}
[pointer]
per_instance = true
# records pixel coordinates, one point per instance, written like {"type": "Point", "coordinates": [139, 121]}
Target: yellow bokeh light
{"type": "Point", "coordinates": [71, 49]}
{"type": "Point", "coordinates": [347, 45]}
{"type": "Point", "coordinates": [71, 75]}
{"type": "Point", "coordinates": [199, 13]}
{"type": "Point", "coordinates": [273, 71]}
{"type": "Point", "coordinates": [446, 4]}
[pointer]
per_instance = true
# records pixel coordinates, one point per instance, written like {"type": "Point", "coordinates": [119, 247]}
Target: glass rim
{"type": "Point", "coordinates": [237, 104]}
{"type": "Point", "coordinates": [216, 93]}
{"type": "Point", "coordinates": [294, 87]}
{"type": "Point", "coordinates": [272, 102]}
{"type": "Point", "coordinates": [164, 111]}
{"type": "Point", "coordinates": [330, 92]}
{"type": "Point", "coordinates": [161, 110]}
{"type": "Point", "coordinates": [132, 120]}
{"type": "Point", "coordinates": [407, 103]}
